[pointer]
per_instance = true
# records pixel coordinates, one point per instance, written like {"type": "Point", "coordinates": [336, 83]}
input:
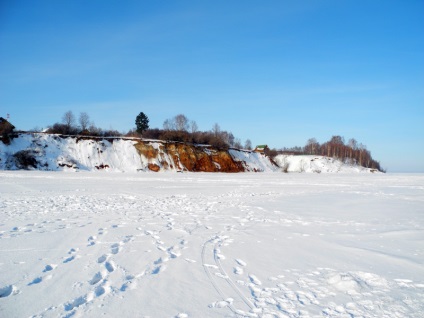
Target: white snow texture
{"type": "Point", "coordinates": [211, 245]}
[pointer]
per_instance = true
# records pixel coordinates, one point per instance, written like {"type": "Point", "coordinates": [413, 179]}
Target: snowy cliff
{"type": "Point", "coordinates": [38, 151]}
{"type": "Point", "coordinates": [55, 152]}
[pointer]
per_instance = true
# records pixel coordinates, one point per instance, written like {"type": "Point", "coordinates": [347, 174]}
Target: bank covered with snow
{"type": "Point", "coordinates": [38, 151]}
{"type": "Point", "coordinates": [317, 164]}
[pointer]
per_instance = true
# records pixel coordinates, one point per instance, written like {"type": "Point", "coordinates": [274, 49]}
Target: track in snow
{"type": "Point", "coordinates": [190, 245]}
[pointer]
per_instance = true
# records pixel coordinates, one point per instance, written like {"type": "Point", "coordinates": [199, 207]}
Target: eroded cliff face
{"type": "Point", "coordinates": [185, 157]}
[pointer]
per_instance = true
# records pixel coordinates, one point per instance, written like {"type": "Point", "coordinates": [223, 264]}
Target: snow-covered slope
{"type": "Point", "coordinates": [316, 164]}
{"type": "Point", "coordinates": [253, 161]}
{"type": "Point", "coordinates": [54, 152]}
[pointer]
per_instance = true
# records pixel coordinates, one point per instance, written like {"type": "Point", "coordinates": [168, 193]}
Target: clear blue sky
{"type": "Point", "coordinates": [277, 72]}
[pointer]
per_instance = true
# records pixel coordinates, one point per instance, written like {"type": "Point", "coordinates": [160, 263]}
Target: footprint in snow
{"type": "Point", "coordinates": [91, 240]}
{"type": "Point", "coordinates": [161, 260]}
{"type": "Point", "coordinates": [96, 278]}
{"type": "Point", "coordinates": [158, 269]}
{"type": "Point", "coordinates": [110, 266]}
{"type": "Point", "coordinates": [116, 248]}
{"type": "Point", "coordinates": [69, 259]}
{"type": "Point", "coordinates": [78, 301]}
{"type": "Point", "coordinates": [102, 290]}
{"type": "Point", "coordinates": [102, 231]}
{"type": "Point", "coordinates": [49, 268]}
{"type": "Point", "coordinates": [254, 280]}
{"type": "Point", "coordinates": [128, 238]}
{"type": "Point", "coordinates": [35, 281]}
{"type": "Point", "coordinates": [130, 283]}
{"type": "Point", "coordinates": [240, 262]}
{"type": "Point", "coordinates": [160, 247]}
{"type": "Point", "coordinates": [7, 291]}
{"type": "Point", "coordinates": [222, 303]}
{"type": "Point", "coordinates": [219, 256]}
{"type": "Point", "coordinates": [73, 250]}
{"type": "Point", "coordinates": [102, 258]}
{"type": "Point", "coordinates": [174, 252]}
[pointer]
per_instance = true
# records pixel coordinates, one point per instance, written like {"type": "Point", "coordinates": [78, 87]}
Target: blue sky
{"type": "Point", "coordinates": [277, 72]}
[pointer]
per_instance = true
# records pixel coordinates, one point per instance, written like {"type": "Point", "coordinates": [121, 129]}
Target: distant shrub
{"type": "Point", "coordinates": [154, 133]}
{"type": "Point", "coordinates": [218, 143]}
{"type": "Point", "coordinates": [176, 135]}
{"type": "Point", "coordinates": [62, 129]}
{"type": "Point", "coordinates": [111, 133]}
{"type": "Point", "coordinates": [272, 153]}
{"type": "Point", "coordinates": [85, 132]}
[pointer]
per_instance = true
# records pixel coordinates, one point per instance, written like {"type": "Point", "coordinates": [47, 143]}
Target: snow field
{"type": "Point", "coordinates": [211, 245]}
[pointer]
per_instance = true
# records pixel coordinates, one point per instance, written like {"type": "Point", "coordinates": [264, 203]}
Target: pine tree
{"type": "Point", "coordinates": [141, 122]}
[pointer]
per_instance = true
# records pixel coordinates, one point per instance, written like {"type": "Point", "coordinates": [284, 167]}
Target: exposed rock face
{"type": "Point", "coordinates": [184, 157]}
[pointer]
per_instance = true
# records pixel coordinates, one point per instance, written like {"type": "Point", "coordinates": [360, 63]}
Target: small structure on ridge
{"type": "Point", "coordinates": [262, 149]}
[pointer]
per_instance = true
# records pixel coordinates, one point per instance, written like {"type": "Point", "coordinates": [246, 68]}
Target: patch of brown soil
{"type": "Point", "coordinates": [146, 150]}
{"type": "Point", "coordinates": [153, 167]}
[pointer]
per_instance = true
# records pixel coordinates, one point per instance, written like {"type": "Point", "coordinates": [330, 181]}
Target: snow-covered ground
{"type": "Point", "coordinates": [211, 245]}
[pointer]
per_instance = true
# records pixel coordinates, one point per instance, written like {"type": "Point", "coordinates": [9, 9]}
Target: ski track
{"type": "Point", "coordinates": [201, 232]}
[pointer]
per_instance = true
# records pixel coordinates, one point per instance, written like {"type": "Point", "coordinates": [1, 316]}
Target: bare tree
{"type": "Point", "coordinates": [84, 120]}
{"type": "Point", "coordinates": [168, 125]}
{"type": "Point", "coordinates": [311, 146]}
{"type": "Point", "coordinates": [248, 144]}
{"type": "Point", "coordinates": [353, 145]}
{"type": "Point", "coordinates": [337, 147]}
{"type": "Point", "coordinates": [362, 150]}
{"type": "Point", "coordinates": [231, 139]}
{"type": "Point", "coordinates": [193, 127]}
{"type": "Point", "coordinates": [237, 143]}
{"type": "Point", "coordinates": [216, 130]}
{"type": "Point", "coordinates": [181, 122]}
{"type": "Point", "coordinates": [69, 120]}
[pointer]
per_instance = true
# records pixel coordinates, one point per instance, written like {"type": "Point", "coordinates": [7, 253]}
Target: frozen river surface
{"type": "Point", "coordinates": [211, 245]}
